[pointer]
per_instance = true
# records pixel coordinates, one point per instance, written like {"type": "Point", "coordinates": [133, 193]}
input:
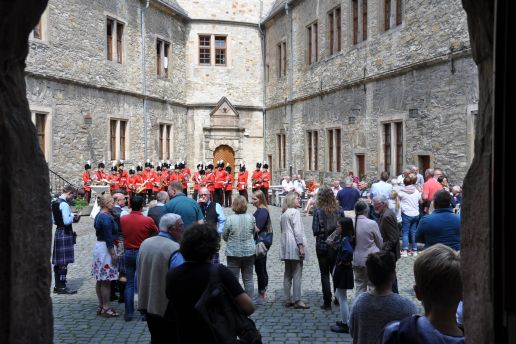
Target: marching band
{"type": "Point", "coordinates": [148, 181]}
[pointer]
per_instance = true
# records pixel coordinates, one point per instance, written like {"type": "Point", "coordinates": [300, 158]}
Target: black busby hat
{"type": "Point", "coordinates": [121, 163]}
{"type": "Point", "coordinates": [158, 168]}
{"type": "Point", "coordinates": [258, 164]}
{"type": "Point", "coordinates": [131, 170]}
{"type": "Point", "coordinates": [148, 163]}
{"type": "Point", "coordinates": [220, 163]}
{"type": "Point", "coordinates": [210, 166]}
{"type": "Point", "coordinates": [87, 166]}
{"type": "Point", "coordinates": [242, 166]}
{"type": "Point", "coordinates": [139, 167]}
{"type": "Point", "coordinates": [228, 168]}
{"type": "Point", "coordinates": [199, 166]}
{"type": "Point", "coordinates": [182, 165]}
{"type": "Point", "coordinates": [113, 167]}
{"type": "Point", "coordinates": [102, 164]}
{"type": "Point", "coordinates": [265, 165]}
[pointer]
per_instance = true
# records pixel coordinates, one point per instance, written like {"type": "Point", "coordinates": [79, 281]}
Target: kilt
{"type": "Point", "coordinates": [63, 252]}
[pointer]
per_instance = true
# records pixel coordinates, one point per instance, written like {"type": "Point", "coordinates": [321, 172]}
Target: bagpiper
{"type": "Point", "coordinates": [86, 180]}
{"type": "Point", "coordinates": [256, 177]}
{"type": "Point", "coordinates": [228, 187]}
{"type": "Point", "coordinates": [266, 178]}
{"type": "Point", "coordinates": [220, 179]}
{"type": "Point", "coordinates": [243, 176]}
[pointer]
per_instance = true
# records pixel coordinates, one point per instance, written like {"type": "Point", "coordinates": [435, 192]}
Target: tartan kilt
{"type": "Point", "coordinates": [63, 252]}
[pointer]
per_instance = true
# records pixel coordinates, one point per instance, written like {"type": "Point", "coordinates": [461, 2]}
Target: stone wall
{"type": "Point", "coordinates": [439, 128]}
{"type": "Point", "coordinates": [250, 11]}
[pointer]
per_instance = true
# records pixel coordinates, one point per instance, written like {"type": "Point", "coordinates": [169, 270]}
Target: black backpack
{"type": "Point", "coordinates": [228, 324]}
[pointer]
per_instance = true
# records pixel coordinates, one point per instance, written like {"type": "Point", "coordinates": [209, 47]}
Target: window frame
{"type": "Point", "coordinates": [115, 46]}
{"type": "Point", "coordinates": [312, 150]}
{"type": "Point", "coordinates": [165, 141]}
{"type": "Point", "coordinates": [204, 47]}
{"type": "Point", "coordinates": [313, 42]}
{"type": "Point", "coordinates": [118, 140]}
{"type": "Point", "coordinates": [224, 49]}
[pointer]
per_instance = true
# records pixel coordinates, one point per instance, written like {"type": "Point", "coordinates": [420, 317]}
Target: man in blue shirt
{"type": "Point", "coordinates": [348, 196]}
{"type": "Point", "coordinates": [442, 226]}
{"type": "Point", "coordinates": [183, 206]}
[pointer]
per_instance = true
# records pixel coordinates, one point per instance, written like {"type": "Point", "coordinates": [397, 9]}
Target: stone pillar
{"type": "Point", "coordinates": [476, 214]}
{"type": "Point", "coordinates": [25, 220]}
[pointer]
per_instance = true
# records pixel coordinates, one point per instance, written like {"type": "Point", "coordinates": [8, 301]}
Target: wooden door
{"type": "Point", "coordinates": [225, 153]}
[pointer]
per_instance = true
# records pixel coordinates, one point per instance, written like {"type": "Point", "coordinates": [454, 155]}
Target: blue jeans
{"type": "Point", "coordinates": [409, 225]}
{"type": "Point", "coordinates": [130, 269]}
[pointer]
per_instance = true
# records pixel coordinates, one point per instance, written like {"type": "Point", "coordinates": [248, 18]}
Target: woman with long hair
{"type": "Point", "coordinates": [368, 239]}
{"type": "Point", "coordinates": [326, 217]}
{"type": "Point", "coordinates": [105, 260]}
{"type": "Point", "coordinates": [264, 234]}
{"type": "Point", "coordinates": [292, 250]}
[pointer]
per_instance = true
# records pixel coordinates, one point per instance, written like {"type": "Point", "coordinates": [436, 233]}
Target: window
{"type": "Point", "coordinates": [313, 43]}
{"type": "Point", "coordinates": [393, 147]}
{"type": "Point", "coordinates": [312, 143]}
{"type": "Point", "coordinates": [360, 161]}
{"type": "Point", "coordinates": [204, 50]}
{"type": "Point", "coordinates": [359, 20]}
{"type": "Point", "coordinates": [41, 123]}
{"type": "Point", "coordinates": [114, 29]}
{"type": "Point", "coordinates": [162, 52]}
{"type": "Point", "coordinates": [334, 27]}
{"type": "Point", "coordinates": [282, 59]}
{"type": "Point", "coordinates": [282, 150]}
{"type": "Point", "coordinates": [220, 50]}
{"type": "Point", "coordinates": [118, 139]}
{"type": "Point", "coordinates": [334, 150]}
{"type": "Point", "coordinates": [165, 142]}
{"type": "Point", "coordinates": [392, 13]}
{"type": "Point", "coordinates": [40, 30]}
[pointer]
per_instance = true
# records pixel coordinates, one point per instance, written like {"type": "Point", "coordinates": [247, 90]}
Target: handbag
{"type": "Point", "coordinates": [261, 250]}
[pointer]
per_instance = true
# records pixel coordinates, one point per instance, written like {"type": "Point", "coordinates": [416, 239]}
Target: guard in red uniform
{"type": "Point", "coordinates": [220, 179]}
{"type": "Point", "coordinates": [266, 178]}
{"type": "Point", "coordinates": [186, 174]}
{"type": "Point", "coordinates": [228, 187]}
{"type": "Point", "coordinates": [149, 177]}
{"type": "Point", "coordinates": [210, 179]}
{"type": "Point", "coordinates": [86, 181]}
{"type": "Point", "coordinates": [138, 181]}
{"type": "Point", "coordinates": [156, 184]}
{"type": "Point", "coordinates": [113, 179]}
{"type": "Point", "coordinates": [131, 183]}
{"type": "Point", "coordinates": [256, 177]}
{"type": "Point", "coordinates": [243, 176]}
{"type": "Point", "coordinates": [165, 175]}
{"type": "Point", "coordinates": [100, 175]}
{"type": "Point", "coordinates": [123, 176]}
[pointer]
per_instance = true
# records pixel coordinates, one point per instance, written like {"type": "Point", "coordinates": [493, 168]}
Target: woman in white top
{"type": "Point", "coordinates": [368, 239]}
{"type": "Point", "coordinates": [410, 197]}
{"type": "Point", "coordinates": [292, 250]}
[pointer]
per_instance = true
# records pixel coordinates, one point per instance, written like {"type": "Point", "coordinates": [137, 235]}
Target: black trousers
{"type": "Point", "coordinates": [227, 198]}
{"type": "Point", "coordinates": [161, 329]}
{"type": "Point", "coordinates": [326, 264]}
{"type": "Point", "coordinates": [217, 196]}
{"type": "Point", "coordinates": [243, 193]}
{"type": "Point", "coordinates": [260, 267]}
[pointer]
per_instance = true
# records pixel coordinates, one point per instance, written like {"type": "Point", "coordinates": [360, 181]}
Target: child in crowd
{"type": "Point", "coordinates": [439, 288]}
{"type": "Point", "coordinates": [373, 309]}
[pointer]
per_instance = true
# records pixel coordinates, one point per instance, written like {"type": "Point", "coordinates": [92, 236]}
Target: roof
{"type": "Point", "coordinates": [174, 6]}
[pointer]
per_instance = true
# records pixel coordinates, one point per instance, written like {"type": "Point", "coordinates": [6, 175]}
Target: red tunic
{"type": "Point", "coordinates": [113, 182]}
{"type": "Point", "coordinates": [210, 180]}
{"type": "Point", "coordinates": [131, 182]}
{"type": "Point", "coordinates": [149, 178]}
{"type": "Point", "coordinates": [86, 180]}
{"type": "Point", "coordinates": [266, 177]}
{"type": "Point", "coordinates": [230, 181]}
{"type": "Point", "coordinates": [256, 179]}
{"type": "Point", "coordinates": [123, 179]}
{"type": "Point", "coordinates": [101, 177]}
{"type": "Point", "coordinates": [196, 177]}
{"type": "Point", "coordinates": [242, 180]}
{"type": "Point", "coordinates": [220, 178]}
{"type": "Point", "coordinates": [138, 181]}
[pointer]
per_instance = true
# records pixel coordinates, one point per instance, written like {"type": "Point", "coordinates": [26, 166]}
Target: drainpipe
{"type": "Point", "coordinates": [290, 82]}
{"type": "Point", "coordinates": [264, 91]}
{"type": "Point", "coordinates": [144, 81]}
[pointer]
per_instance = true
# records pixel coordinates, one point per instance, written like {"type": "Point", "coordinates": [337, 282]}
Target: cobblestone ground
{"type": "Point", "coordinates": [75, 320]}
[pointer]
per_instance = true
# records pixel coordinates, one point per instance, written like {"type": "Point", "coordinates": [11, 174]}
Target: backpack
{"type": "Point", "coordinates": [227, 323]}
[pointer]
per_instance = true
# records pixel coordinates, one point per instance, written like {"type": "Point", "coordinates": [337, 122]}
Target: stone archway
{"type": "Point", "coordinates": [226, 153]}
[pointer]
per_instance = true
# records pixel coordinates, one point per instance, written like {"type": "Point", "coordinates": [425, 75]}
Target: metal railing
{"type": "Point", "coordinates": [57, 182]}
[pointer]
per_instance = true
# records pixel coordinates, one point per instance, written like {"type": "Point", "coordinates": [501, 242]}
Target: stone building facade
{"type": "Point", "coordinates": [379, 96]}
{"type": "Point", "coordinates": [178, 79]}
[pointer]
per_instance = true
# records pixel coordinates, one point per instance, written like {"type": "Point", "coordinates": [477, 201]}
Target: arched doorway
{"type": "Point", "coordinates": [226, 153]}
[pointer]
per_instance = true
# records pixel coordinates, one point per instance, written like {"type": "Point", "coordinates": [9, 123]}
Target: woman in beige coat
{"type": "Point", "coordinates": [292, 251]}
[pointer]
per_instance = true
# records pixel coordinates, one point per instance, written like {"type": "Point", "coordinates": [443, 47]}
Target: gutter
{"type": "Point", "coordinates": [144, 82]}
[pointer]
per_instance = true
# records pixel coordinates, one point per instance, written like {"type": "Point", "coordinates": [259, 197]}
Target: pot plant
{"type": "Point", "coordinates": [82, 207]}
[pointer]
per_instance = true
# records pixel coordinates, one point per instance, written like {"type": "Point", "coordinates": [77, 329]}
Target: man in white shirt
{"type": "Point", "coordinates": [287, 185]}
{"type": "Point", "coordinates": [299, 185]}
{"type": "Point", "coordinates": [402, 176]}
{"type": "Point", "coordinates": [336, 187]}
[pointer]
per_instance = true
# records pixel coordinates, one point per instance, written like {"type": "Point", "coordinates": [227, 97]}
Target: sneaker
{"type": "Point", "coordinates": [414, 253]}
{"type": "Point", "coordinates": [404, 253]}
{"type": "Point", "coordinates": [340, 329]}
{"type": "Point", "coordinates": [64, 291]}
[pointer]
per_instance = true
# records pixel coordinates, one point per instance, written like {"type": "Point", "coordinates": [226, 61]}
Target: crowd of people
{"type": "Point", "coordinates": [168, 253]}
